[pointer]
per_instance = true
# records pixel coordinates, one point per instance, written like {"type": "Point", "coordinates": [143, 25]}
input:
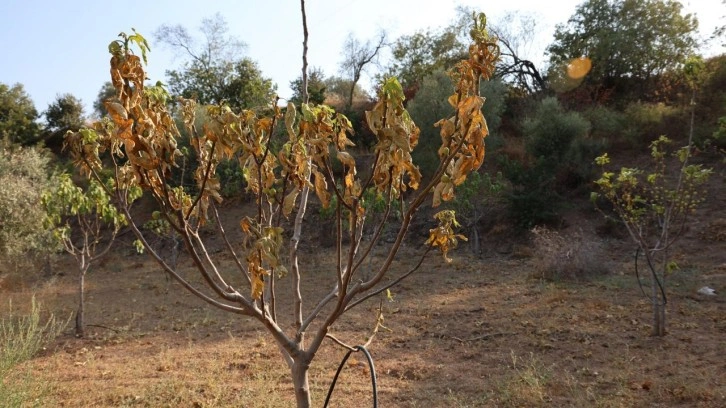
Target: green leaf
{"type": "Point", "coordinates": [114, 47]}
{"type": "Point", "coordinates": [141, 43]}
{"type": "Point", "coordinates": [602, 160]}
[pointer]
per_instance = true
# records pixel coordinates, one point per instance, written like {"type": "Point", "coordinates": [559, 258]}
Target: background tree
{"type": "Point", "coordinates": [337, 91]}
{"type": "Point", "coordinates": [17, 115]}
{"type": "Point", "coordinates": [214, 69]}
{"type": "Point", "coordinates": [64, 113]}
{"type": "Point", "coordinates": [429, 105]}
{"type": "Point", "coordinates": [550, 136]}
{"type": "Point", "coordinates": [143, 134]}
{"type": "Point", "coordinates": [24, 174]}
{"type": "Point", "coordinates": [515, 32]}
{"type": "Point", "coordinates": [419, 55]}
{"type": "Point", "coordinates": [356, 56]}
{"type": "Point", "coordinates": [106, 93]}
{"type": "Point", "coordinates": [317, 88]}
{"type": "Point", "coordinates": [629, 42]}
{"type": "Point", "coordinates": [477, 197]}
{"type": "Point", "coordinates": [719, 32]}
{"type": "Point", "coordinates": [337, 95]}
{"type": "Point", "coordinates": [79, 220]}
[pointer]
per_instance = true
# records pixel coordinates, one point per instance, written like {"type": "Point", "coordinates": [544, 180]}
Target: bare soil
{"type": "Point", "coordinates": [483, 331]}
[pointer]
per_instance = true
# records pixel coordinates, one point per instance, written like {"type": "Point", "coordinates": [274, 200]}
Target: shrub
{"type": "Point", "coordinates": [231, 177]}
{"type": "Point", "coordinates": [606, 123]}
{"type": "Point", "coordinates": [24, 173]}
{"type": "Point", "coordinates": [578, 168]}
{"type": "Point", "coordinates": [720, 134]}
{"type": "Point", "coordinates": [537, 182]}
{"type": "Point", "coordinates": [21, 338]}
{"type": "Point", "coordinates": [497, 99]}
{"type": "Point", "coordinates": [430, 105]}
{"type": "Point", "coordinates": [647, 121]}
{"type": "Point", "coordinates": [496, 94]}
{"type": "Point", "coordinates": [551, 131]}
{"type": "Point", "coordinates": [476, 198]}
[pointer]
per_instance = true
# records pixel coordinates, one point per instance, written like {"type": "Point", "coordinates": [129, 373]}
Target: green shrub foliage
{"type": "Point", "coordinates": [556, 144]}
{"type": "Point", "coordinates": [24, 173]}
{"type": "Point", "coordinates": [430, 104]}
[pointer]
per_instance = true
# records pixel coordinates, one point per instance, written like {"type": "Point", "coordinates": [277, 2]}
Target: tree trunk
{"type": "Point", "coordinates": [80, 332]}
{"type": "Point", "coordinates": [301, 383]}
{"type": "Point", "coordinates": [48, 266]}
{"type": "Point", "coordinates": [662, 317]}
{"type": "Point", "coordinates": [659, 315]}
{"type": "Point", "coordinates": [658, 306]}
{"type": "Point", "coordinates": [476, 246]}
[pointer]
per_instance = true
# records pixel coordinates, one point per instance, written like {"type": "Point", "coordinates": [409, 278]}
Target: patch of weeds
{"type": "Point", "coordinates": [21, 338]}
{"type": "Point", "coordinates": [457, 400]}
{"type": "Point", "coordinates": [527, 387]}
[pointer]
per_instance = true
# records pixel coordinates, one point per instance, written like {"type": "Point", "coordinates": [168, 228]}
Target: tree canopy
{"type": "Point", "coordinates": [17, 115]}
{"type": "Point", "coordinates": [316, 88]}
{"type": "Point", "coordinates": [418, 55]}
{"type": "Point", "coordinates": [356, 57]}
{"type": "Point", "coordinates": [64, 113]}
{"type": "Point", "coordinates": [627, 41]}
{"type": "Point", "coordinates": [24, 173]}
{"type": "Point", "coordinates": [106, 92]}
{"type": "Point", "coordinates": [514, 32]}
{"type": "Point", "coordinates": [214, 69]}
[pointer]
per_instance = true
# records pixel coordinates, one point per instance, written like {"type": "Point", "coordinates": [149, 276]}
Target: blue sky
{"type": "Point", "coordinates": [55, 47]}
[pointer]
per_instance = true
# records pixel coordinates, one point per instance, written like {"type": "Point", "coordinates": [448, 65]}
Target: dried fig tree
{"type": "Point", "coordinates": [138, 144]}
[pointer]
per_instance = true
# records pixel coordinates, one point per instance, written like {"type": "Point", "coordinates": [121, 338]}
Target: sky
{"type": "Point", "coordinates": [56, 47]}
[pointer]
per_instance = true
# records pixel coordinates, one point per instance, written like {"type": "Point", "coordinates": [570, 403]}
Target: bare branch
{"type": "Point", "coordinates": [297, 231]}
{"type": "Point", "coordinates": [356, 57]}
{"type": "Point", "coordinates": [231, 250]}
{"type": "Point", "coordinates": [245, 310]}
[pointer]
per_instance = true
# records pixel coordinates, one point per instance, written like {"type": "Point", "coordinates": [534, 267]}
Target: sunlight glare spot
{"type": "Point", "coordinates": [579, 67]}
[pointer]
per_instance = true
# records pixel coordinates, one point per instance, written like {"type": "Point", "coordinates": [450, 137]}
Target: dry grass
{"type": "Point", "coordinates": [567, 256]}
{"type": "Point", "coordinates": [474, 333]}
{"type": "Point", "coordinates": [22, 336]}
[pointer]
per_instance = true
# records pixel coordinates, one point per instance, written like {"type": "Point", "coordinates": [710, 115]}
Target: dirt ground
{"type": "Point", "coordinates": [483, 331]}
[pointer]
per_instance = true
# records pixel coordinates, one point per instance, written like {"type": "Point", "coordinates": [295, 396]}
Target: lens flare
{"type": "Point", "coordinates": [579, 67]}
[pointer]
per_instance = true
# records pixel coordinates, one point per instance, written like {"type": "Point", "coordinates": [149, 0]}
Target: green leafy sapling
{"type": "Point", "coordinates": [655, 203]}
{"type": "Point", "coordinates": [80, 219]}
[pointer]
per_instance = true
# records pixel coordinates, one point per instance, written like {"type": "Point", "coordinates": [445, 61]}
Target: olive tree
{"type": "Point", "coordinates": [140, 144]}
{"type": "Point", "coordinates": [24, 174]}
{"type": "Point", "coordinates": [64, 113]}
{"type": "Point", "coordinates": [18, 116]}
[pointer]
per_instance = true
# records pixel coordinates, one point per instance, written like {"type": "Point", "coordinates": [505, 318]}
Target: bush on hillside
{"type": "Point", "coordinates": [24, 173]}
{"type": "Point", "coordinates": [556, 144]}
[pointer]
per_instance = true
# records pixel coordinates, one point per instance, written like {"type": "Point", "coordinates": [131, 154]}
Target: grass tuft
{"type": "Point", "coordinates": [21, 338]}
